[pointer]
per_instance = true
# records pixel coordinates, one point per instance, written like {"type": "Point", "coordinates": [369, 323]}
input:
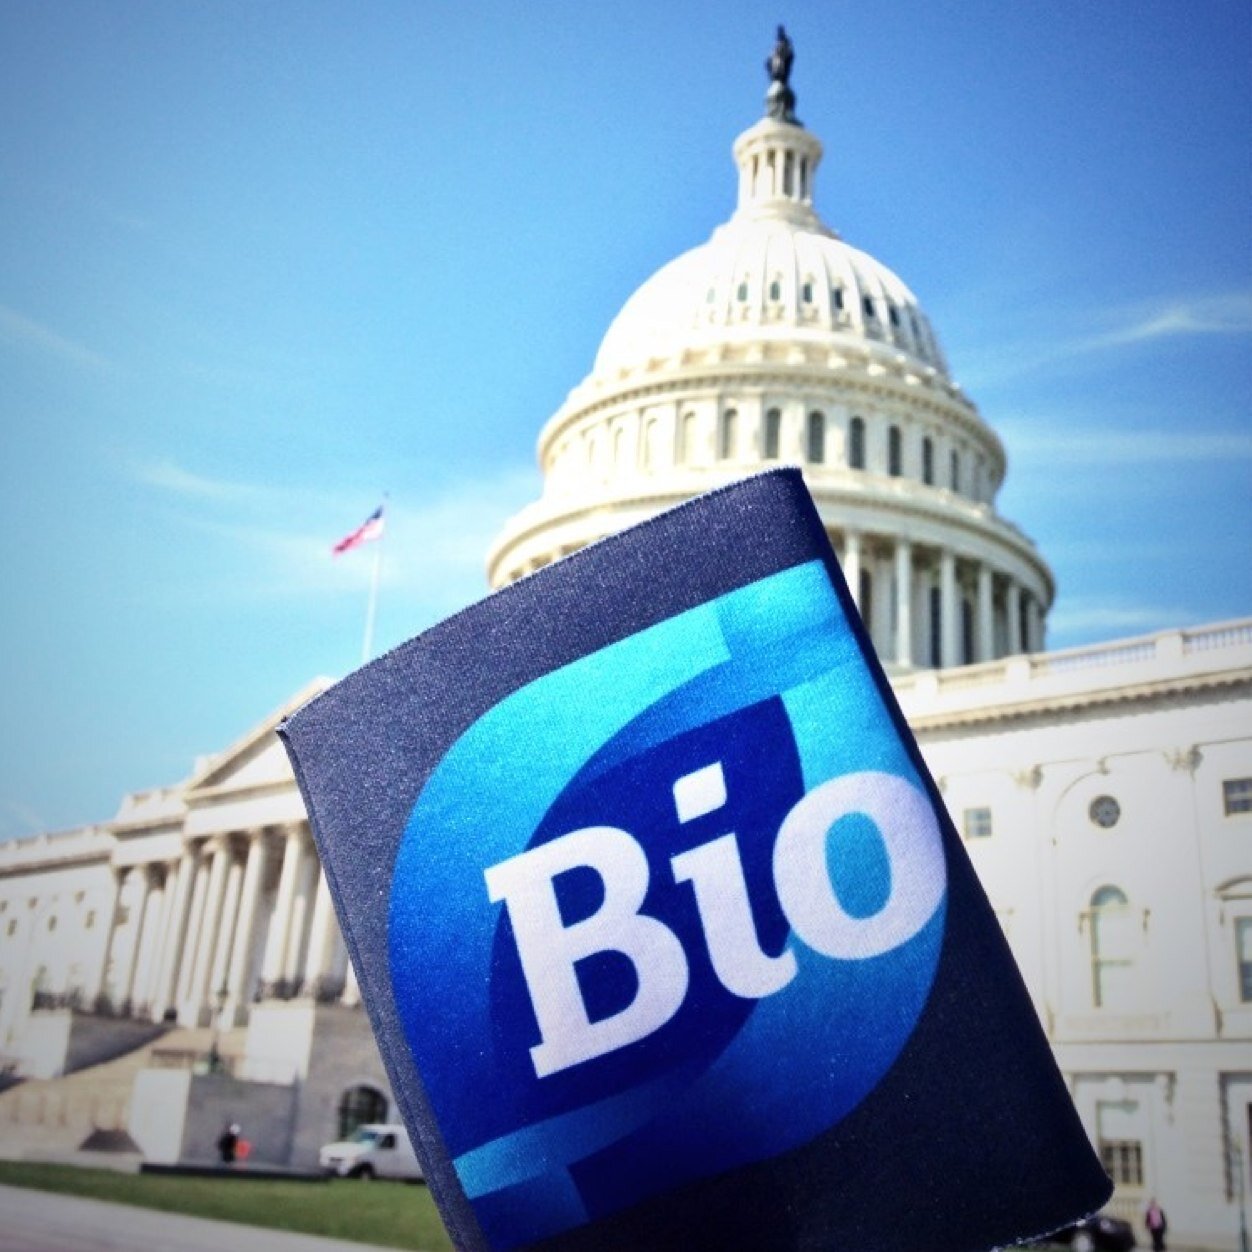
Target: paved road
{"type": "Point", "coordinates": [39, 1221]}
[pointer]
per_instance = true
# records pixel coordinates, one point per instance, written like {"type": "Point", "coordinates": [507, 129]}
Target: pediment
{"type": "Point", "coordinates": [258, 759]}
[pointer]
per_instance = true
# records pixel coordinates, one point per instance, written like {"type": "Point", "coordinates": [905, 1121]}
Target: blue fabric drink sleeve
{"type": "Point", "coordinates": [664, 932]}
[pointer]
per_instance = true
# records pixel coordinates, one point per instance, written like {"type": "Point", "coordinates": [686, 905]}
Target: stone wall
{"type": "Point", "coordinates": [343, 1055]}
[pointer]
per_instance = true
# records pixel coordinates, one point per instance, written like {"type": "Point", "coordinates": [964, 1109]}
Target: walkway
{"type": "Point", "coordinates": [39, 1221]}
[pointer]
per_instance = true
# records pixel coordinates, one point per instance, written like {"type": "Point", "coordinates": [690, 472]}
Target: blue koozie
{"type": "Point", "coordinates": [663, 929]}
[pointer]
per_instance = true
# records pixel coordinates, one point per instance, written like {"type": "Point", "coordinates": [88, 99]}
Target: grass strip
{"type": "Point", "coordinates": [392, 1215]}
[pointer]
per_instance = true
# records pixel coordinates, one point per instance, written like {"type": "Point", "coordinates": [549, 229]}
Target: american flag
{"type": "Point", "coordinates": [370, 529]}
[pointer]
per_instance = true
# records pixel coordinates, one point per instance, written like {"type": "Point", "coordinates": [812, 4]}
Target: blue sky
{"type": "Point", "coordinates": [261, 263]}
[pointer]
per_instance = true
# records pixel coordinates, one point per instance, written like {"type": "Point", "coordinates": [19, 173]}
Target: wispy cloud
{"type": "Point", "coordinates": [1227, 315]}
{"type": "Point", "coordinates": [1087, 618]}
{"type": "Point", "coordinates": [23, 331]}
{"type": "Point", "coordinates": [433, 553]}
{"type": "Point", "coordinates": [18, 819]}
{"type": "Point", "coordinates": [177, 480]}
{"type": "Point", "coordinates": [1041, 445]}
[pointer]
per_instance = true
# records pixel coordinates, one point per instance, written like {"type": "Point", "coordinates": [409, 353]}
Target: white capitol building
{"type": "Point", "coordinates": [1104, 793]}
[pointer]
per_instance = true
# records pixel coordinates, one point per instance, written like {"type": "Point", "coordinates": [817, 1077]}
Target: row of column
{"type": "Point", "coordinates": [197, 923]}
{"type": "Point", "coordinates": [894, 633]}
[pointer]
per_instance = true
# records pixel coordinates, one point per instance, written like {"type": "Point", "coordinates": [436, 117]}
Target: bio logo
{"type": "Point", "coordinates": [550, 950]}
{"type": "Point", "coordinates": [673, 908]}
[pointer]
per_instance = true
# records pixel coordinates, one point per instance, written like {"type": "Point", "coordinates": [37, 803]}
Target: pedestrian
{"type": "Point", "coordinates": [1154, 1220]}
{"type": "Point", "coordinates": [228, 1144]}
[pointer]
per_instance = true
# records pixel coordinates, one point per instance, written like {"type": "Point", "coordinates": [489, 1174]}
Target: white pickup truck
{"type": "Point", "coordinates": [376, 1150]}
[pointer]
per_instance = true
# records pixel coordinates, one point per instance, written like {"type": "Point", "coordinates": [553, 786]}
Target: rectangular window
{"type": "Point", "coordinates": [1237, 795]}
{"type": "Point", "coordinates": [1243, 957]}
{"type": "Point", "coordinates": [977, 823]}
{"type": "Point", "coordinates": [1123, 1161]}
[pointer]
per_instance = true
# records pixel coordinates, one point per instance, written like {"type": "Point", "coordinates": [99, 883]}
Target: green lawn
{"type": "Point", "coordinates": [395, 1215]}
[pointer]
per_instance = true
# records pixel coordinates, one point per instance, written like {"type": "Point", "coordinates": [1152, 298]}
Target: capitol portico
{"type": "Point", "coordinates": [1103, 794]}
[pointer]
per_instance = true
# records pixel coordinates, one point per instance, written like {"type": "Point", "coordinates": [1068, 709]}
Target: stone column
{"type": "Point", "coordinates": [174, 931]}
{"type": "Point", "coordinates": [947, 607]}
{"type": "Point", "coordinates": [197, 997]}
{"type": "Point", "coordinates": [1036, 626]}
{"type": "Point", "coordinates": [351, 988]}
{"type": "Point", "coordinates": [226, 932]}
{"type": "Point", "coordinates": [986, 618]}
{"type": "Point", "coordinates": [301, 915]}
{"type": "Point", "coordinates": [147, 945]}
{"type": "Point", "coordinates": [321, 937]}
{"type": "Point", "coordinates": [245, 928]}
{"type": "Point", "coordinates": [278, 940]}
{"type": "Point", "coordinates": [1013, 617]}
{"type": "Point", "coordinates": [124, 976]}
{"type": "Point", "coordinates": [852, 565]}
{"type": "Point", "coordinates": [904, 603]}
{"type": "Point", "coordinates": [192, 943]}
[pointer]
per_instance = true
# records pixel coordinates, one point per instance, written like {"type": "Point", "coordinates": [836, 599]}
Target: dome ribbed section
{"type": "Point", "coordinates": [774, 270]}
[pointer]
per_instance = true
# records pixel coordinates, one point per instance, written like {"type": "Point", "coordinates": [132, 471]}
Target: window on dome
{"type": "Point", "coordinates": [895, 452]}
{"type": "Point", "coordinates": [729, 435]}
{"type": "Point", "coordinates": [967, 633]}
{"type": "Point", "coordinates": [773, 434]}
{"type": "Point", "coordinates": [806, 291]}
{"type": "Point", "coordinates": [928, 461]}
{"type": "Point", "coordinates": [710, 296]}
{"type": "Point", "coordinates": [687, 439]}
{"type": "Point", "coordinates": [650, 444]}
{"type": "Point", "coordinates": [775, 290]}
{"type": "Point", "coordinates": [742, 294]}
{"type": "Point", "coordinates": [836, 295]}
{"type": "Point", "coordinates": [816, 438]}
{"type": "Point", "coordinates": [955, 470]}
{"type": "Point", "coordinates": [894, 314]}
{"type": "Point", "coordinates": [867, 303]}
{"type": "Point", "coordinates": [856, 443]}
{"type": "Point", "coordinates": [804, 178]}
{"type": "Point", "coordinates": [788, 174]}
{"type": "Point", "coordinates": [867, 600]}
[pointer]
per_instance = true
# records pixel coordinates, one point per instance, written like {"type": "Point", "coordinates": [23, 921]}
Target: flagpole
{"type": "Point", "coordinates": [367, 645]}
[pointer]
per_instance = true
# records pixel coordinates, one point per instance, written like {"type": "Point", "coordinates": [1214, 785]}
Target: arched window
{"type": "Point", "coordinates": [358, 1106]}
{"type": "Point", "coordinates": [836, 298]}
{"type": "Point", "coordinates": [775, 289]}
{"type": "Point", "coordinates": [856, 443]}
{"type": "Point", "coordinates": [687, 439]}
{"type": "Point", "coordinates": [728, 441]}
{"type": "Point", "coordinates": [1114, 938]}
{"type": "Point", "coordinates": [967, 632]}
{"type": "Point", "coordinates": [651, 440]}
{"type": "Point", "coordinates": [815, 438]}
{"type": "Point", "coordinates": [895, 452]}
{"type": "Point", "coordinates": [955, 470]}
{"type": "Point", "coordinates": [928, 461]}
{"type": "Point", "coordinates": [806, 291]}
{"type": "Point", "coordinates": [773, 434]}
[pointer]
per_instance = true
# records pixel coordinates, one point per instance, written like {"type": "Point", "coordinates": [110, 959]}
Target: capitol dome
{"type": "Point", "coordinates": [777, 342]}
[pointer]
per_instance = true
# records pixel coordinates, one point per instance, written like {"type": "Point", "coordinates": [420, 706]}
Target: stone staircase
{"type": "Point", "coordinates": [50, 1117]}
